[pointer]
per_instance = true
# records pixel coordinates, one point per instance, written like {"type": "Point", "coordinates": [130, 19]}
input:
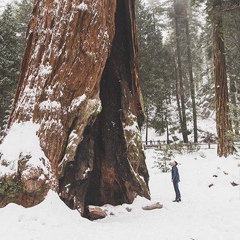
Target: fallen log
{"type": "Point", "coordinates": [153, 206]}
{"type": "Point", "coordinates": [95, 213]}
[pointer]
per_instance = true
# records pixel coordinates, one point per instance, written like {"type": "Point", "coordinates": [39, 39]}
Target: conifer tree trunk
{"type": "Point", "coordinates": [147, 125]}
{"type": "Point", "coordinates": [192, 85]}
{"type": "Point", "coordinates": [79, 98]}
{"type": "Point", "coordinates": [177, 92]}
{"type": "Point", "coordinates": [234, 103]}
{"type": "Point", "coordinates": [225, 142]}
{"type": "Point", "coordinates": [183, 121]}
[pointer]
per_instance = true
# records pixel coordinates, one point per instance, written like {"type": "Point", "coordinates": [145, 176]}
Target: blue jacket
{"type": "Point", "coordinates": [175, 174]}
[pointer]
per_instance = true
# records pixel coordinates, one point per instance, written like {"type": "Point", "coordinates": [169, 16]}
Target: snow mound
{"type": "Point", "coordinates": [25, 135]}
{"type": "Point", "coordinates": [50, 219]}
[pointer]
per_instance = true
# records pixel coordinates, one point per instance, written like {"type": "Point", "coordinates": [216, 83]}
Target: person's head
{"type": "Point", "coordinates": [174, 163]}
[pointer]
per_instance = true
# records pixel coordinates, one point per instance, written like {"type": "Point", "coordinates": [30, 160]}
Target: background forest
{"type": "Point", "coordinates": [176, 63]}
{"type": "Point", "coordinates": [175, 59]}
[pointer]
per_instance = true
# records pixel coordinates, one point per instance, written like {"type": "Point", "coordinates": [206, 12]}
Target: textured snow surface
{"type": "Point", "coordinates": [83, 6]}
{"type": "Point", "coordinates": [45, 70]}
{"type": "Point", "coordinates": [21, 140]}
{"type": "Point", "coordinates": [76, 102]}
{"type": "Point", "coordinates": [204, 213]}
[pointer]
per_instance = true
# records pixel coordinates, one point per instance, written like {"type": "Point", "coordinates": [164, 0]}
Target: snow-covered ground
{"type": "Point", "coordinates": [204, 213]}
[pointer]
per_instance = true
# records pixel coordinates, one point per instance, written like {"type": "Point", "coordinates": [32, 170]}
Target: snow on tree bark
{"type": "Point", "coordinates": [224, 127]}
{"type": "Point", "coordinates": [79, 93]}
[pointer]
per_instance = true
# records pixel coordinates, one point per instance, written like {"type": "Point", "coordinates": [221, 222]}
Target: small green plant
{"type": "Point", "coordinates": [202, 155]}
{"type": "Point", "coordinates": [164, 156]}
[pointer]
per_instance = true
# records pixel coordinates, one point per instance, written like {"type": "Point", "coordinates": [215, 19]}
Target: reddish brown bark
{"type": "Point", "coordinates": [79, 82]}
{"type": "Point", "coordinates": [225, 142]}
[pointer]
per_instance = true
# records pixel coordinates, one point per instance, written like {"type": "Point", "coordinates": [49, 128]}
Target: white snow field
{"type": "Point", "coordinates": [204, 213]}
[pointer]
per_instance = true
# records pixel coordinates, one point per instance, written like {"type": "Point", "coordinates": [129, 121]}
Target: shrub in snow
{"type": "Point", "coordinates": [202, 155]}
{"type": "Point", "coordinates": [164, 156]}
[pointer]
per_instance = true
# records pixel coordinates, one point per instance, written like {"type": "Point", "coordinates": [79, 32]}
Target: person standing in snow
{"type": "Point", "coordinates": [176, 180]}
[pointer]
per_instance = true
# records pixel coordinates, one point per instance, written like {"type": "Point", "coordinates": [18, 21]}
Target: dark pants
{"type": "Point", "coordinates": [176, 189]}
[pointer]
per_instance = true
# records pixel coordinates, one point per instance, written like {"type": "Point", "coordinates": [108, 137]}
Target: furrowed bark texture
{"type": "Point", "coordinates": [225, 142]}
{"type": "Point", "coordinates": [79, 82]}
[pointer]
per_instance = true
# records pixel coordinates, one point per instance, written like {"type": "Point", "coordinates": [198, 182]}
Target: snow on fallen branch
{"type": "Point", "coordinates": [153, 206]}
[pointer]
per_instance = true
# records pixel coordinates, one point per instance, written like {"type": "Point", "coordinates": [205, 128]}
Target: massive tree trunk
{"type": "Point", "coordinates": [79, 99]}
{"type": "Point", "coordinates": [225, 142]}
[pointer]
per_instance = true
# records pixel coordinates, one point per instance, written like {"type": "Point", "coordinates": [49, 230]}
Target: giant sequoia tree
{"type": "Point", "coordinates": [225, 142]}
{"type": "Point", "coordinates": [75, 121]}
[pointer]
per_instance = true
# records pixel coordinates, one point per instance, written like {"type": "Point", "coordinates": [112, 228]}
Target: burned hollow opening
{"type": "Point", "coordinates": [101, 172]}
{"type": "Point", "coordinates": [111, 168]}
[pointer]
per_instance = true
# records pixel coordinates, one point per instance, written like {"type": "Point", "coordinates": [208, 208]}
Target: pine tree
{"type": "Point", "coordinates": [232, 36]}
{"type": "Point", "coordinates": [154, 59]}
{"type": "Point", "coordinates": [9, 59]}
{"type": "Point", "coordinates": [22, 11]}
{"type": "Point", "coordinates": [188, 59]}
{"type": "Point", "coordinates": [13, 25]}
{"type": "Point", "coordinates": [178, 10]}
